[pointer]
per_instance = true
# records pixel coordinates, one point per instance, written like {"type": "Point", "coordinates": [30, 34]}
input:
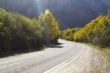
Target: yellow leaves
{"type": "Point", "coordinates": [25, 20]}
{"type": "Point", "coordinates": [109, 13]}
{"type": "Point", "coordinates": [80, 35]}
{"type": "Point", "coordinates": [50, 24]}
{"type": "Point", "coordinates": [47, 12]}
{"type": "Point", "coordinates": [68, 34]}
{"type": "Point", "coordinates": [95, 31]}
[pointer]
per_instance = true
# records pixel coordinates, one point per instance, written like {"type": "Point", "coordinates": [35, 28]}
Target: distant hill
{"type": "Point", "coordinates": [72, 13]}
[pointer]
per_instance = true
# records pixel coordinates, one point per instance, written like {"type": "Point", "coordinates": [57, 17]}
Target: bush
{"type": "Point", "coordinates": [68, 33]}
{"type": "Point", "coordinates": [19, 33]}
{"type": "Point", "coordinates": [96, 32]}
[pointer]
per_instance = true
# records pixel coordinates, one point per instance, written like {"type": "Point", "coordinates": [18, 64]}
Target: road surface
{"type": "Point", "coordinates": [68, 57]}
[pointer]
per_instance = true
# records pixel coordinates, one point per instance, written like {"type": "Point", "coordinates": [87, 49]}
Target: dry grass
{"type": "Point", "coordinates": [104, 51]}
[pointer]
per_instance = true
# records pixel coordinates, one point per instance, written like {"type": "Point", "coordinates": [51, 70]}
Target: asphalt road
{"type": "Point", "coordinates": [42, 61]}
{"type": "Point", "coordinates": [39, 62]}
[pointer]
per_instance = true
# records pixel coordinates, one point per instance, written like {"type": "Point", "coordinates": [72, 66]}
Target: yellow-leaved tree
{"type": "Point", "coordinates": [50, 26]}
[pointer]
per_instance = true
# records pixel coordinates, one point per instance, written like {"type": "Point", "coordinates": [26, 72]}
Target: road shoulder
{"type": "Point", "coordinates": [87, 61]}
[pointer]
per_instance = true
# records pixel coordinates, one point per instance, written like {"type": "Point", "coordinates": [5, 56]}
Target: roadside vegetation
{"type": "Point", "coordinates": [19, 33]}
{"type": "Point", "coordinates": [105, 51]}
{"type": "Point", "coordinates": [68, 33]}
{"type": "Point", "coordinates": [97, 32]}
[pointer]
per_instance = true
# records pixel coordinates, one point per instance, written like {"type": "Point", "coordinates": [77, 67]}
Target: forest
{"type": "Point", "coordinates": [96, 32]}
{"type": "Point", "coordinates": [19, 33]}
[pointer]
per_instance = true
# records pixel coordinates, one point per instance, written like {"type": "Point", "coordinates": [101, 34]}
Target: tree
{"type": "Point", "coordinates": [19, 33]}
{"type": "Point", "coordinates": [109, 13]}
{"type": "Point", "coordinates": [96, 32]}
{"type": "Point", "coordinates": [50, 26]}
{"type": "Point", "coordinates": [68, 34]}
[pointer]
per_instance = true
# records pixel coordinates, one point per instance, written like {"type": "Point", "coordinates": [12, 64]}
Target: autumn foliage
{"type": "Point", "coordinates": [19, 33]}
{"type": "Point", "coordinates": [96, 32]}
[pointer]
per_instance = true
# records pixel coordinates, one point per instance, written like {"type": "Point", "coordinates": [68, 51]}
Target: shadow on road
{"type": "Point", "coordinates": [58, 45]}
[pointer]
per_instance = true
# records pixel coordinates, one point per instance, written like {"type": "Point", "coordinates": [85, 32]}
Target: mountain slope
{"type": "Point", "coordinates": [79, 12]}
{"type": "Point", "coordinates": [69, 13]}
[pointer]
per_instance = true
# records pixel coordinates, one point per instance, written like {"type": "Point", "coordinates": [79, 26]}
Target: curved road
{"type": "Point", "coordinates": [42, 61]}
